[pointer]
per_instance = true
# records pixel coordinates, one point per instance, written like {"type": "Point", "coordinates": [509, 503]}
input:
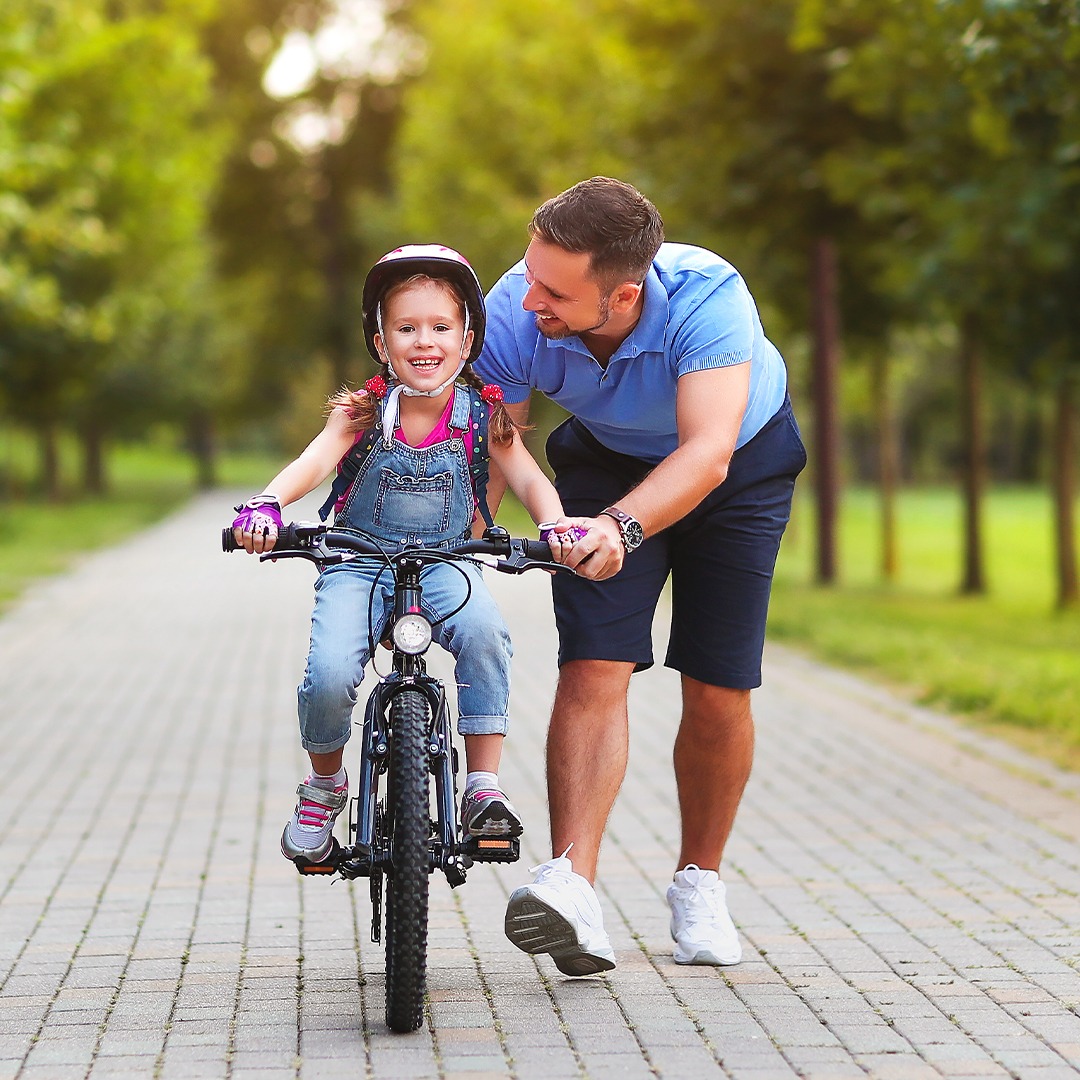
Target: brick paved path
{"type": "Point", "coordinates": [907, 891]}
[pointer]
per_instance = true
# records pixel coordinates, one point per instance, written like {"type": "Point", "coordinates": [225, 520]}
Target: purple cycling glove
{"type": "Point", "coordinates": [258, 516]}
{"type": "Point", "coordinates": [573, 534]}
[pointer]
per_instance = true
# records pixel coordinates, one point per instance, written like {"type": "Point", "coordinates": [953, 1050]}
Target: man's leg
{"type": "Point", "coordinates": [586, 756]}
{"type": "Point", "coordinates": [714, 750]}
{"type": "Point", "coordinates": [558, 912]}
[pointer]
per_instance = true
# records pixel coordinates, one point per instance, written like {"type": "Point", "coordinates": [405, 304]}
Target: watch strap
{"type": "Point", "coordinates": [621, 516]}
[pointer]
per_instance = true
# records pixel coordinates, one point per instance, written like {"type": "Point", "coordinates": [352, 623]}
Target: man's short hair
{"type": "Point", "coordinates": [608, 220]}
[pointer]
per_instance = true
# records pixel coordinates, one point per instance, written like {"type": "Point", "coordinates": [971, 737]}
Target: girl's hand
{"type": "Point", "coordinates": [562, 535]}
{"type": "Point", "coordinates": [256, 524]}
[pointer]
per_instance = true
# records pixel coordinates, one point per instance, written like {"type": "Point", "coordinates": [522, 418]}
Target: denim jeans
{"type": "Point", "coordinates": [476, 636]}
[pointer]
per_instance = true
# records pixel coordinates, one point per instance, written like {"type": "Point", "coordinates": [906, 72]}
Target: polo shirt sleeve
{"type": "Point", "coordinates": [718, 328]}
{"type": "Point", "coordinates": [501, 360]}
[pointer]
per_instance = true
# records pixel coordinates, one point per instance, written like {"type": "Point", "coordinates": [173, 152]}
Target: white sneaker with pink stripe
{"type": "Point", "coordinates": [310, 832]}
{"type": "Point", "coordinates": [486, 811]}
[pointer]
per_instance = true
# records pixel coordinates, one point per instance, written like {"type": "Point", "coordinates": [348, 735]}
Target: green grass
{"type": "Point", "coordinates": [146, 482]}
{"type": "Point", "coordinates": [1007, 659]}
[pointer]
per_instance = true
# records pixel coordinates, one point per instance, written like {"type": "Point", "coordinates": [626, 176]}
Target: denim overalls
{"type": "Point", "coordinates": [404, 494]}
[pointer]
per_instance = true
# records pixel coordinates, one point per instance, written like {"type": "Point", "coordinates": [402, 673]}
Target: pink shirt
{"type": "Point", "coordinates": [439, 433]}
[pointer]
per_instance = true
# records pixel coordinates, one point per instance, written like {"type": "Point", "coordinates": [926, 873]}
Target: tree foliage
{"type": "Point", "coordinates": [110, 157]}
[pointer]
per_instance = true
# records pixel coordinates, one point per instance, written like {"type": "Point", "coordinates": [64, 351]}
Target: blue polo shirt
{"type": "Point", "coordinates": [697, 314]}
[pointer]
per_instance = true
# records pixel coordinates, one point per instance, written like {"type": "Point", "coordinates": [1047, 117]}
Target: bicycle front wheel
{"type": "Point", "coordinates": [407, 882]}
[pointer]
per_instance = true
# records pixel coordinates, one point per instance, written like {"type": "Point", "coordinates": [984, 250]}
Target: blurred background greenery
{"type": "Point", "coordinates": [192, 190]}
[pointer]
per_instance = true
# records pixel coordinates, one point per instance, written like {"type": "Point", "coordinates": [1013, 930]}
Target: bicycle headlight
{"type": "Point", "coordinates": [412, 634]}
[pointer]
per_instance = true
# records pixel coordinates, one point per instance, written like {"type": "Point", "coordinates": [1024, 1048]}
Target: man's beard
{"type": "Point", "coordinates": [603, 314]}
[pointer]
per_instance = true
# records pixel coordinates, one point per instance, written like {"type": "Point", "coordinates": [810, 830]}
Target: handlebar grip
{"type": "Point", "coordinates": [539, 551]}
{"type": "Point", "coordinates": [288, 538]}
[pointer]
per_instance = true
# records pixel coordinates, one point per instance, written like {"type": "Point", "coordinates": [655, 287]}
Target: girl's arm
{"type": "Point", "coordinates": [527, 481]}
{"type": "Point", "coordinates": [310, 469]}
{"type": "Point", "coordinates": [316, 462]}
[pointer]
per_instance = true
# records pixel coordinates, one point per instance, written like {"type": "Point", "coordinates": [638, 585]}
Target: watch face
{"type": "Point", "coordinates": [632, 534]}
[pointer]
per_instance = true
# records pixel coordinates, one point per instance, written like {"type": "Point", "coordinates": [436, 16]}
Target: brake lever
{"type": "Point", "coordinates": [320, 556]}
{"type": "Point", "coordinates": [518, 563]}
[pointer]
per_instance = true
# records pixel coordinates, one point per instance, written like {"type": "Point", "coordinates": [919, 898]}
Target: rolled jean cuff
{"type": "Point", "coordinates": [325, 748]}
{"type": "Point", "coordinates": [483, 725]}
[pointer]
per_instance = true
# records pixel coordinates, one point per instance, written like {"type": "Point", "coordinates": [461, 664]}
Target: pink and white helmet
{"type": "Point", "coordinates": [435, 261]}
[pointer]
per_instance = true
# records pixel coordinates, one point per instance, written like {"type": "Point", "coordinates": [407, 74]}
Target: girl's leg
{"type": "Point", "coordinates": [335, 667]}
{"type": "Point", "coordinates": [478, 639]}
{"type": "Point", "coordinates": [483, 753]}
{"type": "Point", "coordinates": [329, 764]}
{"type": "Point", "coordinates": [336, 659]}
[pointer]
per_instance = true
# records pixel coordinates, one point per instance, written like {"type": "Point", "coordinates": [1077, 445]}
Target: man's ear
{"type": "Point", "coordinates": [625, 296]}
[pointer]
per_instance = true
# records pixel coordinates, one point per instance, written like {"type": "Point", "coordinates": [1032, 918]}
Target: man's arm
{"type": "Point", "coordinates": [709, 408]}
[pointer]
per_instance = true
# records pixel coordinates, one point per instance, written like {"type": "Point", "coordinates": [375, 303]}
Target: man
{"type": "Point", "coordinates": [680, 458]}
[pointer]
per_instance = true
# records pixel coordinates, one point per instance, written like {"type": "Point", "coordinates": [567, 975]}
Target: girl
{"type": "Point", "coordinates": [408, 449]}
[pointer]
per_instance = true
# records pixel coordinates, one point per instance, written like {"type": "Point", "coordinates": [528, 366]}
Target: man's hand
{"type": "Point", "coordinates": [599, 554]}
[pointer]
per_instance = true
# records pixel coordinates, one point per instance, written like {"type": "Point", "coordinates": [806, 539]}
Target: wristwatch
{"type": "Point", "coordinates": [629, 527]}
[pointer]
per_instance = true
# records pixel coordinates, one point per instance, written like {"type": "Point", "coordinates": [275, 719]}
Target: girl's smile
{"type": "Point", "coordinates": [423, 333]}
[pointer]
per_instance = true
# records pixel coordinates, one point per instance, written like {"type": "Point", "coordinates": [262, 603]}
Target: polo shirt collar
{"type": "Point", "coordinates": [650, 334]}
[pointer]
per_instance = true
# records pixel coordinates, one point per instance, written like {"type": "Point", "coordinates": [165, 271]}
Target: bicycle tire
{"type": "Point", "coordinates": [407, 883]}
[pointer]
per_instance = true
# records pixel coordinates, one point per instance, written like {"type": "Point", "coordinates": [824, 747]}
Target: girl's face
{"type": "Point", "coordinates": [424, 333]}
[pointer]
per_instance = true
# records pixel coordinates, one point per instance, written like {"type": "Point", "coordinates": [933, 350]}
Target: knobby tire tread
{"type": "Point", "coordinates": [407, 884]}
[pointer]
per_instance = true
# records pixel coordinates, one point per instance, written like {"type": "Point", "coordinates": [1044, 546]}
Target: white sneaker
{"type": "Point", "coordinates": [700, 924]}
{"type": "Point", "coordinates": [560, 914]}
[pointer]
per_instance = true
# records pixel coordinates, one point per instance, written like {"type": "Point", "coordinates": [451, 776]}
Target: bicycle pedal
{"type": "Point", "coordinates": [328, 866]}
{"type": "Point", "coordinates": [498, 849]}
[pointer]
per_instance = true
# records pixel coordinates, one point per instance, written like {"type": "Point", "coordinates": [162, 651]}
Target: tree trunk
{"type": "Point", "coordinates": [973, 480]}
{"type": "Point", "coordinates": [1064, 481]}
{"type": "Point", "coordinates": [200, 432]}
{"type": "Point", "coordinates": [49, 451]}
{"type": "Point", "coordinates": [888, 464]}
{"type": "Point", "coordinates": [93, 459]}
{"type": "Point", "coordinates": [825, 378]}
{"type": "Point", "coordinates": [332, 227]}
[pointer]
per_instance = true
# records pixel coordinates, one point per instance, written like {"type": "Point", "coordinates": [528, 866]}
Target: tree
{"type": "Point", "coordinates": [743, 138]}
{"type": "Point", "coordinates": [981, 186]}
{"type": "Point", "coordinates": [114, 156]}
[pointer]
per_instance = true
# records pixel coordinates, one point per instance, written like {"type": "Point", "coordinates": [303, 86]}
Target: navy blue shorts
{"type": "Point", "coordinates": [720, 558]}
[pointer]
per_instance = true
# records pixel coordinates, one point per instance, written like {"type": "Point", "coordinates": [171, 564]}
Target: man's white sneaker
{"type": "Point", "coordinates": [700, 924]}
{"type": "Point", "coordinates": [560, 914]}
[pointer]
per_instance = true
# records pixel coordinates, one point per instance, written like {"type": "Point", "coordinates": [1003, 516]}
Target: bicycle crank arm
{"type": "Point", "coordinates": [350, 862]}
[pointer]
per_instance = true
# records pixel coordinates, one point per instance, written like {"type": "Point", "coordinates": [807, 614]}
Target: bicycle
{"type": "Point", "coordinates": [407, 738]}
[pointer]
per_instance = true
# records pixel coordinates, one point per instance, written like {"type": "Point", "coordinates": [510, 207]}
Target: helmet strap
{"type": "Point", "coordinates": [392, 406]}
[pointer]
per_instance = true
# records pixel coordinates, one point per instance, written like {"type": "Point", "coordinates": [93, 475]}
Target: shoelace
{"type": "Point", "coordinates": [701, 903]}
{"type": "Point", "coordinates": [549, 869]}
{"type": "Point", "coordinates": [313, 815]}
{"type": "Point", "coordinates": [477, 796]}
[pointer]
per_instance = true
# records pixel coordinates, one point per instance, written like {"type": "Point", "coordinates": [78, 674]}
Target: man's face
{"type": "Point", "coordinates": [562, 295]}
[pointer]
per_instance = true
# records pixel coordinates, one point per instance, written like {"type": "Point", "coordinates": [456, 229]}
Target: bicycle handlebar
{"type": "Point", "coordinates": [317, 543]}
